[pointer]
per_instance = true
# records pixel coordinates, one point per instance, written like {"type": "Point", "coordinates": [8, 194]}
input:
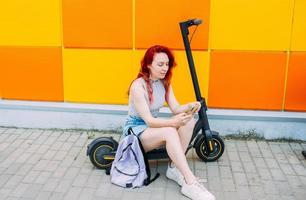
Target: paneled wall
{"type": "Point", "coordinates": [248, 54]}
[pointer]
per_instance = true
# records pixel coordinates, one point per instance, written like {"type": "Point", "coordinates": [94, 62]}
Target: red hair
{"type": "Point", "coordinates": [145, 71]}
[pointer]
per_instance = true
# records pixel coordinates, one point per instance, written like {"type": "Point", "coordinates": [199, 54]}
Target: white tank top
{"type": "Point", "coordinates": [158, 98]}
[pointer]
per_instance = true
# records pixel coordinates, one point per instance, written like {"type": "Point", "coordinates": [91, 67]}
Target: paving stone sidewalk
{"type": "Point", "coordinates": [52, 164]}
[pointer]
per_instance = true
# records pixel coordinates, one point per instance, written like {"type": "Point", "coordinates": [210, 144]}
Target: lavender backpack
{"type": "Point", "coordinates": [131, 168]}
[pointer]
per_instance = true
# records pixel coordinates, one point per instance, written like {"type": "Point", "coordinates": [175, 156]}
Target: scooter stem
{"type": "Point", "coordinates": [184, 30]}
{"type": "Point", "coordinates": [203, 119]}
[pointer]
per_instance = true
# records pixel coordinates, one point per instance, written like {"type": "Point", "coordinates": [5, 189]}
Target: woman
{"type": "Point", "coordinates": [147, 95]}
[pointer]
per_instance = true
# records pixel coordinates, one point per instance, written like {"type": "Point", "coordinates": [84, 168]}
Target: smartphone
{"type": "Point", "coordinates": [191, 110]}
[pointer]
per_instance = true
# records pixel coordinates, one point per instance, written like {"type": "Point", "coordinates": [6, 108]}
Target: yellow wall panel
{"type": "Point", "coordinates": [137, 57]}
{"type": "Point", "coordinates": [251, 25]}
{"type": "Point", "coordinates": [298, 42]}
{"type": "Point", "coordinates": [182, 83]}
{"type": "Point", "coordinates": [30, 23]}
{"type": "Point", "coordinates": [97, 76]}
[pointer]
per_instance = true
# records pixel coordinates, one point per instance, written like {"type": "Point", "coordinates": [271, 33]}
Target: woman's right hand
{"type": "Point", "coordinates": [181, 119]}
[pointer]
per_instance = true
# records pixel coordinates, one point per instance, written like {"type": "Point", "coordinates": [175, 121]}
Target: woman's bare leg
{"type": "Point", "coordinates": [185, 133]}
{"type": "Point", "coordinates": [152, 138]}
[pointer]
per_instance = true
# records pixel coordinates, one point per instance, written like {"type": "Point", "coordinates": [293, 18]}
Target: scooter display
{"type": "Point", "coordinates": [207, 143]}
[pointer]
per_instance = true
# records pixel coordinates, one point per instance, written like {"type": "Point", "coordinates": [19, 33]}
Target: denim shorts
{"type": "Point", "coordinates": [136, 123]}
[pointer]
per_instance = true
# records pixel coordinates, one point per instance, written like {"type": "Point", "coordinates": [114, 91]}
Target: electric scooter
{"type": "Point", "coordinates": [207, 143]}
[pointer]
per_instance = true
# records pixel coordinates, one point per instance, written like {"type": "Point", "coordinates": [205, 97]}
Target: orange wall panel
{"type": "Point", "coordinates": [1, 80]}
{"type": "Point", "coordinates": [296, 83]}
{"type": "Point", "coordinates": [105, 24]}
{"type": "Point", "coordinates": [31, 73]}
{"type": "Point", "coordinates": [247, 80]}
{"type": "Point", "coordinates": [0, 87]}
{"type": "Point", "coordinates": [157, 22]}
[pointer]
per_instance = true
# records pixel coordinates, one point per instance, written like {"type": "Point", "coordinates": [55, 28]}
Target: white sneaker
{"type": "Point", "coordinates": [196, 191]}
{"type": "Point", "coordinates": [174, 174]}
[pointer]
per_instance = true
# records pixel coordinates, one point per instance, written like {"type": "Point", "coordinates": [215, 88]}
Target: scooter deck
{"type": "Point", "coordinates": [152, 155]}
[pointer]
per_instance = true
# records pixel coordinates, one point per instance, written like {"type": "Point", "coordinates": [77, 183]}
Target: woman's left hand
{"type": "Point", "coordinates": [193, 107]}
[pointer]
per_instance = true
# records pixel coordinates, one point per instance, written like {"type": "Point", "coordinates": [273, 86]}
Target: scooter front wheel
{"type": "Point", "coordinates": [201, 150]}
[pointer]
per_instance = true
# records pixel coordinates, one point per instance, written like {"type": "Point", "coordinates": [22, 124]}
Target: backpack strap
{"type": "Point", "coordinates": [131, 132]}
{"type": "Point", "coordinates": [145, 157]}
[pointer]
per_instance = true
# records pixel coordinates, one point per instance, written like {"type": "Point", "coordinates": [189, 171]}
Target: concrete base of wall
{"type": "Point", "coordinates": [30, 114]}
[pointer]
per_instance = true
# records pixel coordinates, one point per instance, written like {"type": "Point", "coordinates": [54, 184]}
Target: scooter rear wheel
{"type": "Point", "coordinates": [97, 153]}
{"type": "Point", "coordinates": [201, 150]}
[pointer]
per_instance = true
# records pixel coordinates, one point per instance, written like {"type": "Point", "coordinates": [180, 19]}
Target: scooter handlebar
{"type": "Point", "coordinates": [192, 22]}
{"type": "Point", "coordinates": [197, 21]}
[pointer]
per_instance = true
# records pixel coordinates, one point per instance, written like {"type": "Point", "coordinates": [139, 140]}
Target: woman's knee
{"type": "Point", "coordinates": [170, 133]}
{"type": "Point", "coordinates": [191, 123]}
